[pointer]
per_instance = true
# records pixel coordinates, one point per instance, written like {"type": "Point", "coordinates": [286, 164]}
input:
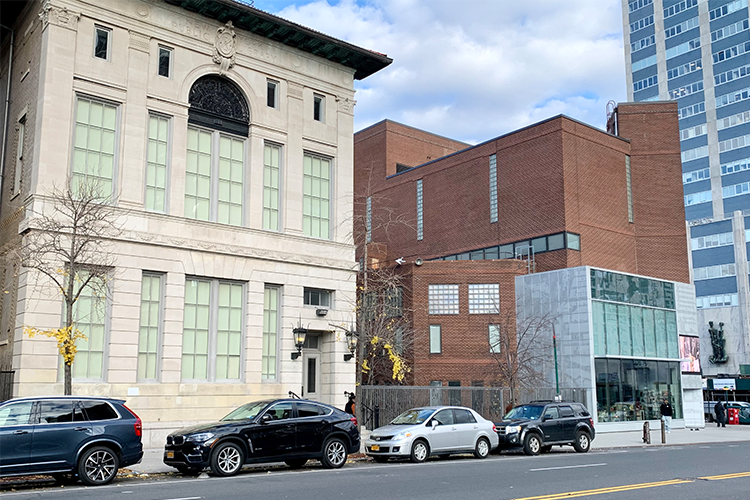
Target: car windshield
{"type": "Point", "coordinates": [532, 412]}
{"type": "Point", "coordinates": [413, 417]}
{"type": "Point", "coordinates": [246, 412]}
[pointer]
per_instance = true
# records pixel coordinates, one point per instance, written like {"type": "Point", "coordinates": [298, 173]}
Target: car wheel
{"type": "Point", "coordinates": [187, 470]}
{"type": "Point", "coordinates": [582, 442]}
{"type": "Point", "coordinates": [98, 466]}
{"type": "Point", "coordinates": [419, 451]}
{"type": "Point", "coordinates": [334, 454]}
{"type": "Point", "coordinates": [227, 459]}
{"type": "Point", "coordinates": [546, 448]}
{"type": "Point", "coordinates": [380, 460]}
{"type": "Point", "coordinates": [297, 463]}
{"type": "Point", "coordinates": [482, 449]}
{"type": "Point", "coordinates": [532, 445]}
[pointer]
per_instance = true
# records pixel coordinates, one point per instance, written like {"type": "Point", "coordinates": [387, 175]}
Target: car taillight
{"type": "Point", "coordinates": [138, 425]}
{"type": "Point", "coordinates": [591, 421]}
{"type": "Point", "coordinates": [354, 421]}
{"type": "Point", "coordinates": [494, 429]}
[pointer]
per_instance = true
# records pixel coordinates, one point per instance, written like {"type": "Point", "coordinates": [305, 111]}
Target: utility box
{"type": "Point", "coordinates": [733, 416]}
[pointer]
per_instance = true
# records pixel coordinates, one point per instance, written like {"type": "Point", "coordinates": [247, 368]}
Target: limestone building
{"type": "Point", "coordinates": [225, 135]}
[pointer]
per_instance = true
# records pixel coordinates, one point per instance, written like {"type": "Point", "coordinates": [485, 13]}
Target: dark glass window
{"type": "Point", "coordinates": [280, 411]}
{"type": "Point", "coordinates": [15, 414]}
{"type": "Point", "coordinates": [539, 244]}
{"type": "Point", "coordinates": [444, 417]}
{"type": "Point", "coordinates": [556, 242]}
{"type": "Point", "coordinates": [464, 417]}
{"type": "Point", "coordinates": [574, 241]}
{"type": "Point", "coordinates": [165, 61]}
{"type": "Point", "coordinates": [310, 410]}
{"type": "Point", "coordinates": [101, 43]}
{"type": "Point", "coordinates": [318, 108]}
{"type": "Point", "coordinates": [98, 410]}
{"type": "Point", "coordinates": [52, 412]}
{"type": "Point", "coordinates": [505, 251]}
{"type": "Point", "coordinates": [315, 297]}
{"type": "Point", "coordinates": [271, 94]}
{"type": "Point", "coordinates": [312, 374]}
{"type": "Point", "coordinates": [454, 395]}
{"type": "Point", "coordinates": [566, 411]}
{"type": "Point", "coordinates": [552, 412]}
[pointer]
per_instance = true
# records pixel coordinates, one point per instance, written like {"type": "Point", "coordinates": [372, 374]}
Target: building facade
{"type": "Point", "coordinates": [697, 53]}
{"type": "Point", "coordinates": [225, 136]}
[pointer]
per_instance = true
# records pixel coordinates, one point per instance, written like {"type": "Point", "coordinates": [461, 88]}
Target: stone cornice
{"type": "Point", "coordinates": [58, 16]}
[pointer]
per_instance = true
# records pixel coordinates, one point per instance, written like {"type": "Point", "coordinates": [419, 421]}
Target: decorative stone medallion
{"type": "Point", "coordinates": [225, 47]}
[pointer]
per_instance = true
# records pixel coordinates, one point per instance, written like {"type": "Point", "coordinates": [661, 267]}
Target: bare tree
{"type": "Point", "coordinates": [521, 350]}
{"type": "Point", "coordinates": [69, 244]}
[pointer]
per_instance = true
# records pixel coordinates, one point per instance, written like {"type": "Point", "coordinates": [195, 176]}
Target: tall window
{"type": "Point", "coordinates": [94, 145]}
{"type": "Point", "coordinates": [102, 42]}
{"type": "Point", "coordinates": [90, 317]}
{"type": "Point", "coordinates": [443, 299]}
{"type": "Point", "coordinates": [629, 186]}
{"type": "Point", "coordinates": [165, 62]}
{"type": "Point", "coordinates": [436, 346]}
{"type": "Point", "coordinates": [150, 327]}
{"type": "Point", "coordinates": [493, 188]}
{"type": "Point", "coordinates": [213, 177]}
{"type": "Point", "coordinates": [420, 215]}
{"type": "Point", "coordinates": [272, 88]}
{"type": "Point", "coordinates": [156, 163]}
{"type": "Point", "coordinates": [270, 331]}
{"type": "Point", "coordinates": [20, 140]}
{"type": "Point", "coordinates": [316, 196]}
{"type": "Point", "coordinates": [319, 103]}
{"type": "Point", "coordinates": [212, 330]}
{"type": "Point", "coordinates": [271, 169]}
{"type": "Point", "coordinates": [494, 338]}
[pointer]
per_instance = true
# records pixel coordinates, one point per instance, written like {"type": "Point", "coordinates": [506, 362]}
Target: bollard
{"type": "Point", "coordinates": [646, 432]}
{"type": "Point", "coordinates": [663, 432]}
{"type": "Point", "coordinates": [376, 416]}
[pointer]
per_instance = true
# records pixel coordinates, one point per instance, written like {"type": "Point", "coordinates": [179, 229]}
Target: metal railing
{"type": "Point", "coordinates": [6, 384]}
{"type": "Point", "coordinates": [377, 405]}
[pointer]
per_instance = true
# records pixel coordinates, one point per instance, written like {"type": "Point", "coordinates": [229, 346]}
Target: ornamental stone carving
{"type": "Point", "coordinates": [58, 16]}
{"type": "Point", "coordinates": [225, 47]}
{"type": "Point", "coordinates": [294, 89]}
{"type": "Point", "coordinates": [139, 42]}
{"type": "Point", "coordinates": [345, 104]}
{"type": "Point", "coordinates": [218, 96]}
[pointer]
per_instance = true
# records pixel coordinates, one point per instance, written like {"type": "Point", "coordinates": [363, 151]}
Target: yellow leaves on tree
{"type": "Point", "coordinates": [66, 340]}
{"type": "Point", "coordinates": [399, 366]}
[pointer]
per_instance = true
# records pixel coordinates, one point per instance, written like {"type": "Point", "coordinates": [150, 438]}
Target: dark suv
{"type": "Point", "coordinates": [68, 437]}
{"type": "Point", "coordinates": [281, 430]}
{"type": "Point", "coordinates": [539, 425]}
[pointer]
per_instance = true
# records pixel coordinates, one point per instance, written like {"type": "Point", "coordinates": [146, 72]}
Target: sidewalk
{"type": "Point", "coordinates": [152, 458]}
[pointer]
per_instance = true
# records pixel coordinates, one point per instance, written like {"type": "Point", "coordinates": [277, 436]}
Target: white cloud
{"type": "Point", "coordinates": [475, 69]}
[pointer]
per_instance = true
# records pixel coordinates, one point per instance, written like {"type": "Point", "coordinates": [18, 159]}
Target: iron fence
{"type": "Point", "coordinates": [377, 404]}
{"type": "Point", "coordinates": [6, 384]}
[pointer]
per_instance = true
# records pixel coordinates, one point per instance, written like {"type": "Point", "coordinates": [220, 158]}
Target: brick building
{"type": "Point", "coordinates": [554, 195]}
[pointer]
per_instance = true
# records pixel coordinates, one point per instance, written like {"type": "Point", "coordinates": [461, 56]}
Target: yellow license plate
{"type": "Point", "coordinates": [170, 454]}
{"type": "Point", "coordinates": [375, 447]}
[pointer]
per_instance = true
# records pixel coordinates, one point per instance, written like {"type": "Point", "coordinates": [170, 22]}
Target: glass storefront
{"type": "Point", "coordinates": [633, 389]}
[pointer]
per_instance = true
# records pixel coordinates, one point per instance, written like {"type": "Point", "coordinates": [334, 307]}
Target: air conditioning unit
{"type": "Point", "coordinates": [321, 311]}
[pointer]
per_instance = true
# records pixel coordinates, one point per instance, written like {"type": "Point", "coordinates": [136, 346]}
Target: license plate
{"type": "Point", "coordinates": [170, 454]}
{"type": "Point", "coordinates": [375, 447]}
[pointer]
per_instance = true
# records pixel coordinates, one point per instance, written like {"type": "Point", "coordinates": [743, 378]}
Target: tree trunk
{"type": "Point", "coordinates": [68, 372]}
{"type": "Point", "coordinates": [68, 380]}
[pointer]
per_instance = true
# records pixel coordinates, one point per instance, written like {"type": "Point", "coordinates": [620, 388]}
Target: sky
{"type": "Point", "coordinates": [472, 70]}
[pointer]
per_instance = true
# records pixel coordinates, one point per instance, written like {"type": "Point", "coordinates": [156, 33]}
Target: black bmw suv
{"type": "Point", "coordinates": [539, 425]}
{"type": "Point", "coordinates": [281, 430]}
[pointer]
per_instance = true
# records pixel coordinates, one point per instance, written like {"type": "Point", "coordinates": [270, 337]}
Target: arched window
{"type": "Point", "coordinates": [219, 119]}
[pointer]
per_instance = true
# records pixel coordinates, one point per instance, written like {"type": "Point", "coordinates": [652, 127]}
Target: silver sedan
{"type": "Point", "coordinates": [434, 430]}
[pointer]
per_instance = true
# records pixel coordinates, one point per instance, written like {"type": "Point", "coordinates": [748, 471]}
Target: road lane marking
{"type": "Point", "coordinates": [185, 498]}
{"type": "Point", "coordinates": [567, 467]}
{"type": "Point", "coordinates": [601, 491]}
{"type": "Point", "coordinates": [726, 476]}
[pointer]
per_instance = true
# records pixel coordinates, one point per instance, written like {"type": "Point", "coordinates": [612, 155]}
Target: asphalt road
{"type": "Point", "coordinates": [678, 472]}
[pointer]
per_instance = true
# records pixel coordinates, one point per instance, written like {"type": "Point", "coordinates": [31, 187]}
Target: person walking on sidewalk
{"type": "Point", "coordinates": [350, 405]}
{"type": "Point", "coordinates": [666, 414]}
{"type": "Point", "coordinates": [721, 414]}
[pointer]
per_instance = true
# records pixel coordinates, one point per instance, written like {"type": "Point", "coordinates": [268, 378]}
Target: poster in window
{"type": "Point", "coordinates": [690, 354]}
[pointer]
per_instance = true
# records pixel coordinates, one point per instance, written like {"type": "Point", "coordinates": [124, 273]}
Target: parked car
{"type": "Point", "coordinates": [68, 437]}
{"type": "Point", "coordinates": [539, 425]}
{"type": "Point", "coordinates": [435, 430]}
{"type": "Point", "coordinates": [282, 430]}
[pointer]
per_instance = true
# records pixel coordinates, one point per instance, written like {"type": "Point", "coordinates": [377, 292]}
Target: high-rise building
{"type": "Point", "coordinates": [697, 52]}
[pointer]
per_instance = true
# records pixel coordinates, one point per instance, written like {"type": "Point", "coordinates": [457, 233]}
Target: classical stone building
{"type": "Point", "coordinates": [225, 136]}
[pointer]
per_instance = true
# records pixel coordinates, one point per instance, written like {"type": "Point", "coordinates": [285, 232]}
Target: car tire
{"type": "Point", "coordinates": [582, 443]}
{"type": "Point", "coordinates": [532, 444]}
{"type": "Point", "coordinates": [482, 448]}
{"type": "Point", "coordinates": [227, 459]}
{"type": "Point", "coordinates": [334, 454]}
{"type": "Point", "coordinates": [420, 450]}
{"type": "Point", "coordinates": [380, 460]}
{"type": "Point", "coordinates": [188, 471]}
{"type": "Point", "coordinates": [296, 463]}
{"type": "Point", "coordinates": [546, 448]}
{"type": "Point", "coordinates": [98, 466]}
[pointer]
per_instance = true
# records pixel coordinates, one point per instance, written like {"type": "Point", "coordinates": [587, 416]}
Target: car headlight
{"type": "Point", "coordinates": [513, 429]}
{"type": "Point", "coordinates": [200, 437]}
{"type": "Point", "coordinates": [401, 435]}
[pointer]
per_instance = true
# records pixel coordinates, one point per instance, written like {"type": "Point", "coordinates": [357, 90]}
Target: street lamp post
{"type": "Point", "coordinates": [554, 348]}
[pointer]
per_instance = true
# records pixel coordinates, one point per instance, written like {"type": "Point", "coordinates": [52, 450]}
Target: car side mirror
{"type": "Point", "coordinates": [434, 424]}
{"type": "Point", "coordinates": [545, 418]}
{"type": "Point", "coordinates": [265, 418]}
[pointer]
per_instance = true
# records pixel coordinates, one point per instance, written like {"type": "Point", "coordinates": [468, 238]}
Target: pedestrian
{"type": "Point", "coordinates": [721, 414]}
{"type": "Point", "coordinates": [349, 408]}
{"type": "Point", "coordinates": [666, 414]}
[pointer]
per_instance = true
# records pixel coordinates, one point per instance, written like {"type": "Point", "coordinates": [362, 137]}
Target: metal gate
{"type": "Point", "coordinates": [6, 385]}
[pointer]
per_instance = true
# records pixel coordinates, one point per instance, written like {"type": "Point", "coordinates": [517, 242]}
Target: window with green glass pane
{"type": "Point", "coordinates": [89, 316]}
{"type": "Point", "coordinates": [229, 331]}
{"type": "Point", "coordinates": [156, 163]}
{"type": "Point", "coordinates": [597, 312]}
{"type": "Point", "coordinates": [231, 155]}
{"type": "Point", "coordinates": [150, 325]}
{"type": "Point", "coordinates": [198, 175]}
{"type": "Point", "coordinates": [673, 348]}
{"type": "Point", "coordinates": [270, 331]}
{"type": "Point", "coordinates": [316, 196]}
{"type": "Point", "coordinates": [196, 329]}
{"type": "Point", "coordinates": [271, 163]}
{"type": "Point", "coordinates": [610, 319]}
{"type": "Point", "coordinates": [660, 328]}
{"type": "Point", "coordinates": [94, 146]}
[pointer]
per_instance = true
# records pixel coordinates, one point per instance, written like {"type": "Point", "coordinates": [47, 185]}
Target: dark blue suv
{"type": "Point", "coordinates": [68, 436]}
